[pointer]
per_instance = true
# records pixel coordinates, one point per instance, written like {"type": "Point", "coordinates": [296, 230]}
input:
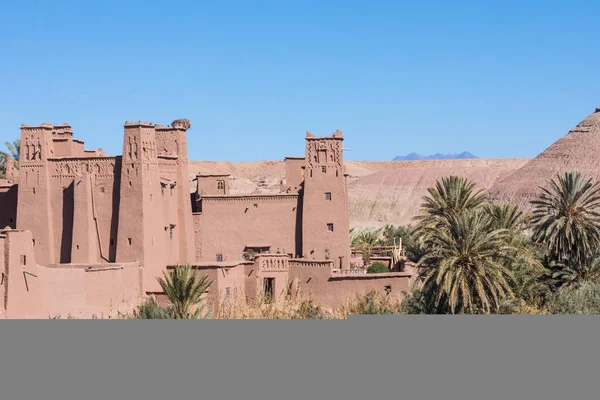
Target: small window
{"type": "Point", "coordinates": [129, 241]}
{"type": "Point", "coordinates": [328, 196]}
{"type": "Point", "coordinates": [77, 247]}
{"type": "Point", "coordinates": [323, 169]}
{"type": "Point", "coordinates": [220, 185]}
{"type": "Point", "coordinates": [172, 188]}
{"type": "Point", "coordinates": [219, 257]}
{"type": "Point", "coordinates": [23, 260]}
{"type": "Point", "coordinates": [162, 190]}
{"type": "Point", "coordinates": [33, 240]}
{"type": "Point", "coordinates": [330, 227]}
{"type": "Point", "coordinates": [33, 190]}
{"type": "Point", "coordinates": [101, 189]}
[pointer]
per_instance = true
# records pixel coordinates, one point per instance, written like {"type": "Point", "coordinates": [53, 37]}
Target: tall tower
{"type": "Point", "coordinates": [325, 219]}
{"type": "Point", "coordinates": [34, 211]}
{"type": "Point", "coordinates": [139, 236]}
{"type": "Point", "coordinates": [172, 148]}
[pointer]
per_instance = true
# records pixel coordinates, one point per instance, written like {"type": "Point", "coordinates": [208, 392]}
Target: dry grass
{"type": "Point", "coordinates": [371, 303]}
{"type": "Point", "coordinates": [297, 305]}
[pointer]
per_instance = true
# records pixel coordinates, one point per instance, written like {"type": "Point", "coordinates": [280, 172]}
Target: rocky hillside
{"type": "Point", "coordinates": [578, 150]}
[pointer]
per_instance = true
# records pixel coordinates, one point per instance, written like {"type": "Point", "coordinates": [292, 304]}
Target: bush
{"type": "Point", "coordinates": [150, 309]}
{"type": "Point", "coordinates": [377, 268]}
{"type": "Point", "coordinates": [308, 310]}
{"type": "Point", "coordinates": [583, 300]}
{"type": "Point", "coordinates": [372, 303]}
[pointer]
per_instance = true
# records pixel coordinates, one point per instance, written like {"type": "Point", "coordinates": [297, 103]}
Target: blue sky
{"type": "Point", "coordinates": [496, 78]}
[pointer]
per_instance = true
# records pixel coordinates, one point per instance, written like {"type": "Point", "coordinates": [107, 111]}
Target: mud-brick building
{"type": "Point", "coordinates": [90, 233]}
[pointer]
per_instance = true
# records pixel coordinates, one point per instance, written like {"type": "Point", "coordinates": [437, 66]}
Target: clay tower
{"type": "Point", "coordinates": [34, 208]}
{"type": "Point", "coordinates": [140, 236]}
{"type": "Point", "coordinates": [325, 219]}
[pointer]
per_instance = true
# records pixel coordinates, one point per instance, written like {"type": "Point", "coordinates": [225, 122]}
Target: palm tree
{"type": "Point", "coordinates": [365, 240]}
{"type": "Point", "coordinates": [450, 197]}
{"type": "Point", "coordinates": [566, 218]}
{"type": "Point", "coordinates": [506, 216]}
{"type": "Point", "coordinates": [467, 261]}
{"type": "Point", "coordinates": [14, 151]}
{"type": "Point", "coordinates": [185, 291]}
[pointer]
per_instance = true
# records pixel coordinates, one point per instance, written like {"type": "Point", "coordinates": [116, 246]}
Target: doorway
{"type": "Point", "coordinates": [269, 286]}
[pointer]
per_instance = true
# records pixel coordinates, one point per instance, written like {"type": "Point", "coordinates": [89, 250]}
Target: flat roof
{"type": "Point", "coordinates": [211, 175]}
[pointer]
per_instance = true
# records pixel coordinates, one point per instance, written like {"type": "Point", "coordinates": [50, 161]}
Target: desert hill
{"type": "Point", "coordinates": [578, 150]}
{"type": "Point", "coordinates": [379, 191]}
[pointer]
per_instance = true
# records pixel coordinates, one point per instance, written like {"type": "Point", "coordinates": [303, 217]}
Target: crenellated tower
{"type": "Point", "coordinates": [34, 206]}
{"type": "Point", "coordinates": [325, 219]}
{"type": "Point", "coordinates": [175, 191]}
{"type": "Point", "coordinates": [140, 236]}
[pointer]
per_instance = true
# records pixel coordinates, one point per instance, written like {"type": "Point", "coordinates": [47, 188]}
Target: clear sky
{"type": "Point", "coordinates": [496, 78]}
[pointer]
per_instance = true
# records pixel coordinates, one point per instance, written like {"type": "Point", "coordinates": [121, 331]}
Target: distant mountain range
{"type": "Point", "coordinates": [438, 156]}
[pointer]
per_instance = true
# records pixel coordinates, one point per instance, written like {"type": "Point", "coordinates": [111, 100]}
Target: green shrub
{"type": "Point", "coordinates": [150, 309]}
{"type": "Point", "coordinates": [583, 300]}
{"type": "Point", "coordinates": [377, 268]}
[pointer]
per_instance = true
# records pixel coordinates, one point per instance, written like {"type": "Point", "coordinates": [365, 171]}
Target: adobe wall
{"type": "Point", "coordinates": [8, 206]}
{"type": "Point", "coordinates": [84, 195]}
{"type": "Point", "coordinates": [274, 266]}
{"type": "Point", "coordinates": [227, 225]}
{"type": "Point", "coordinates": [209, 184]}
{"type": "Point", "coordinates": [332, 289]}
{"type": "Point", "coordinates": [294, 173]}
{"type": "Point", "coordinates": [223, 276]}
{"type": "Point", "coordinates": [344, 287]}
{"type": "Point", "coordinates": [34, 291]}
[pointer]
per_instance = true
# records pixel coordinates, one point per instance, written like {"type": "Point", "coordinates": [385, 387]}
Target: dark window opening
{"type": "Point", "coordinates": [388, 289]}
{"type": "Point", "coordinates": [162, 190]}
{"type": "Point", "coordinates": [330, 227]}
{"type": "Point", "coordinates": [33, 240]}
{"type": "Point", "coordinates": [219, 257]}
{"type": "Point", "coordinates": [77, 247]}
{"type": "Point", "coordinates": [328, 196]}
{"type": "Point", "coordinates": [269, 285]}
{"type": "Point", "coordinates": [23, 260]}
{"type": "Point", "coordinates": [172, 190]}
{"type": "Point", "coordinates": [129, 241]}
{"type": "Point", "coordinates": [323, 169]}
{"type": "Point", "coordinates": [101, 189]}
{"type": "Point", "coordinates": [220, 185]}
